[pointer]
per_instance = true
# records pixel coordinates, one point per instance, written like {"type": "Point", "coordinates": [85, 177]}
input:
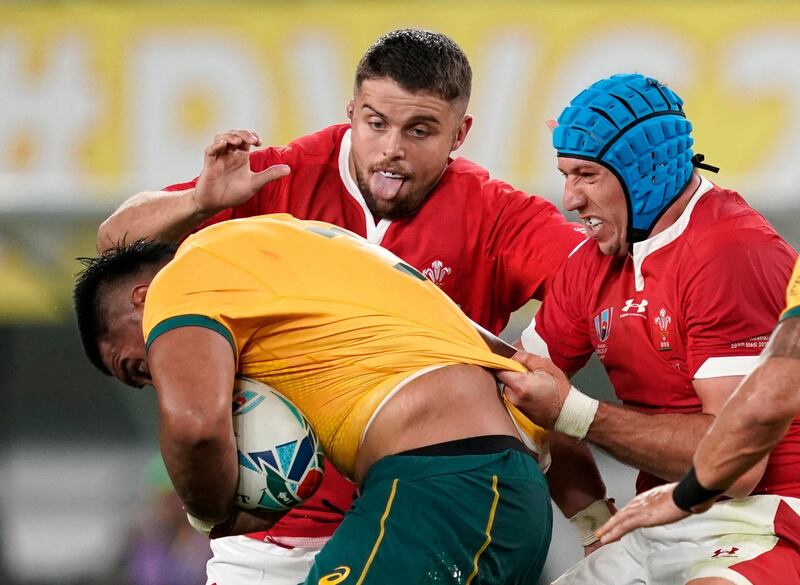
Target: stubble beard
{"type": "Point", "coordinates": [398, 207]}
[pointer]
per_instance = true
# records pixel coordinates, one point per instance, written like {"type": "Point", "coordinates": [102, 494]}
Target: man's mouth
{"type": "Point", "coordinates": [386, 184]}
{"type": "Point", "coordinates": [592, 224]}
{"type": "Point", "coordinates": [391, 175]}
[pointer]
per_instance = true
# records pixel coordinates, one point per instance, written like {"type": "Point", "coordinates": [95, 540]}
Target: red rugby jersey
{"type": "Point", "coordinates": [698, 300]}
{"type": "Point", "coordinates": [490, 247]}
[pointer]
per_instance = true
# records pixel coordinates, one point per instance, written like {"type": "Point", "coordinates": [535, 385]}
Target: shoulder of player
{"type": "Point", "coordinates": [320, 146]}
{"type": "Point", "coordinates": [475, 182]}
{"type": "Point", "coordinates": [722, 222]}
{"type": "Point", "coordinates": [587, 260]}
{"type": "Point", "coordinates": [586, 266]}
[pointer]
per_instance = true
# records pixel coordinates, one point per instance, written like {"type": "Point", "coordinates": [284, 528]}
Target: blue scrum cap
{"type": "Point", "coordinates": [634, 126]}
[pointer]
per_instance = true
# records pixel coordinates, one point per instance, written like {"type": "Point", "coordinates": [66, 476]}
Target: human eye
{"type": "Point", "coordinates": [138, 376]}
{"type": "Point", "coordinates": [419, 132]}
{"type": "Point", "coordinates": [376, 123]}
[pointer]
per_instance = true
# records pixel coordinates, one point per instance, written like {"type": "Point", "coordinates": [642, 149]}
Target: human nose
{"type": "Point", "coordinates": [393, 147]}
{"type": "Point", "coordinates": [573, 196]}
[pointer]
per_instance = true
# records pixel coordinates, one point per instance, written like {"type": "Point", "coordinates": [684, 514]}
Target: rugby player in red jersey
{"type": "Point", "coordinates": [753, 423]}
{"type": "Point", "coordinates": [388, 176]}
{"type": "Point", "coordinates": [676, 291]}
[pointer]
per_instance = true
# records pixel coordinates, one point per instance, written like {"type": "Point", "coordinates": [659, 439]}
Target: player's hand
{"type": "Point", "coordinates": [246, 522]}
{"type": "Point", "coordinates": [551, 124]}
{"type": "Point", "coordinates": [651, 508]}
{"type": "Point", "coordinates": [226, 180]}
{"type": "Point", "coordinates": [539, 393]}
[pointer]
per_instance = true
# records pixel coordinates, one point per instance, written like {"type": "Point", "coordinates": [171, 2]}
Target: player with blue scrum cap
{"type": "Point", "coordinates": [636, 128]}
{"type": "Point", "coordinates": [676, 290]}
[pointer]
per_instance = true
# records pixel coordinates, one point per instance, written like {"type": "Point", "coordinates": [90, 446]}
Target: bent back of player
{"type": "Point", "coordinates": [388, 371]}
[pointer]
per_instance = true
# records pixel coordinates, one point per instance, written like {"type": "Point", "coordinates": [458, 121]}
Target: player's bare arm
{"type": "Point", "coordinates": [226, 181]}
{"type": "Point", "coordinates": [664, 444]}
{"type": "Point", "coordinates": [574, 479]}
{"type": "Point", "coordinates": [577, 488]}
{"type": "Point", "coordinates": [749, 426]}
{"type": "Point", "coordinates": [661, 444]}
{"type": "Point", "coordinates": [193, 371]}
{"type": "Point", "coordinates": [576, 485]}
{"type": "Point", "coordinates": [758, 414]}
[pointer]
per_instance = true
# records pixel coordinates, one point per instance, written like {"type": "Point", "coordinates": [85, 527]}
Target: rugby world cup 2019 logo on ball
{"type": "Point", "coordinates": [280, 460]}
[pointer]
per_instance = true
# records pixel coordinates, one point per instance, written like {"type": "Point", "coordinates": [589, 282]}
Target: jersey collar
{"type": "Point", "coordinates": [643, 249]}
{"type": "Point", "coordinates": [375, 232]}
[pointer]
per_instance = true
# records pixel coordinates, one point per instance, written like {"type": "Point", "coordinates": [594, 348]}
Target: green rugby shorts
{"type": "Point", "coordinates": [475, 511]}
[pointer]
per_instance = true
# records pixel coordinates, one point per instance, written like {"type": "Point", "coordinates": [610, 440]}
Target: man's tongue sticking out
{"type": "Point", "coordinates": [383, 186]}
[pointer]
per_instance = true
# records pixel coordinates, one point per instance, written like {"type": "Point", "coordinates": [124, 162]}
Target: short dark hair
{"type": "Point", "coordinates": [418, 60]}
{"type": "Point", "coordinates": [100, 272]}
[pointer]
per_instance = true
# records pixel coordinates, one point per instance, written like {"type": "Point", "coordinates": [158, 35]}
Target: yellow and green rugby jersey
{"type": "Point", "coordinates": [793, 294]}
{"type": "Point", "coordinates": [330, 321]}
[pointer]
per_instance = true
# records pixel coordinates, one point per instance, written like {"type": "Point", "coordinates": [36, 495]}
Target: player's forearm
{"type": "Point", "coordinates": [158, 215]}
{"type": "Point", "coordinates": [574, 479]}
{"type": "Point", "coordinates": [660, 444]}
{"type": "Point", "coordinates": [751, 424]}
{"type": "Point", "coordinates": [202, 466]}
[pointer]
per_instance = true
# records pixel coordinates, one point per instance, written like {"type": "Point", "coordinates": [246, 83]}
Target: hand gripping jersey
{"type": "Point", "coordinates": [332, 322]}
{"type": "Point", "coordinates": [490, 247]}
{"type": "Point", "coordinates": [698, 300]}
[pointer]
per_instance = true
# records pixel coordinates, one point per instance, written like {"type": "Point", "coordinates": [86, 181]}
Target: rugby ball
{"type": "Point", "coordinates": [280, 459]}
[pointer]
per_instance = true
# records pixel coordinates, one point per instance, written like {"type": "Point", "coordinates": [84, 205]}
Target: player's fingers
{"type": "Point", "coordinates": [246, 136]}
{"type": "Point", "coordinates": [536, 362]}
{"type": "Point", "coordinates": [216, 148]}
{"type": "Point", "coordinates": [551, 124]}
{"type": "Point", "coordinates": [232, 141]}
{"type": "Point", "coordinates": [225, 142]}
{"type": "Point", "coordinates": [230, 138]}
{"type": "Point", "coordinates": [512, 379]}
{"type": "Point", "coordinates": [618, 526]}
{"type": "Point", "coordinates": [270, 174]}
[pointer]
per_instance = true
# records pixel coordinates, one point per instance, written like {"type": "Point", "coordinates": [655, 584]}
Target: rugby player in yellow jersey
{"type": "Point", "coordinates": [390, 373]}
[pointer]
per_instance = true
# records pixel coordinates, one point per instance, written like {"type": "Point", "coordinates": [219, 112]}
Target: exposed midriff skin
{"type": "Point", "coordinates": [450, 403]}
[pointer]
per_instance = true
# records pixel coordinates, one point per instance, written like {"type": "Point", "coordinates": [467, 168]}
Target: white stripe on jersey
{"type": "Point", "coordinates": [532, 342]}
{"type": "Point", "coordinates": [716, 367]}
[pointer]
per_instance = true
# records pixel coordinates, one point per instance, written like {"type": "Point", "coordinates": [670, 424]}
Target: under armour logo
{"type": "Point", "coordinates": [725, 553]}
{"type": "Point", "coordinates": [630, 304]}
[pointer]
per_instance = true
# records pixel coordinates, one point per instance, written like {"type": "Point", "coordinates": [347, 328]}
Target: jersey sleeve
{"type": "Point", "coordinates": [531, 240]}
{"type": "Point", "coordinates": [793, 295]}
{"type": "Point", "coordinates": [203, 290]}
{"type": "Point", "coordinates": [260, 203]}
{"type": "Point", "coordinates": [732, 300]}
{"type": "Point", "coordinates": [560, 329]}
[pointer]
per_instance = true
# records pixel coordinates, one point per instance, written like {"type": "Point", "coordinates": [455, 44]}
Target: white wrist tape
{"type": "Point", "coordinates": [588, 520]}
{"type": "Point", "coordinates": [577, 414]}
{"type": "Point", "coordinates": [202, 526]}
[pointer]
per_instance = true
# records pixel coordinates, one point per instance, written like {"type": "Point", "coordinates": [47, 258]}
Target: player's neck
{"type": "Point", "coordinates": [675, 210]}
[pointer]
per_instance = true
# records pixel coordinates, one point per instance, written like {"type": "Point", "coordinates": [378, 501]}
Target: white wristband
{"type": "Point", "coordinates": [588, 520]}
{"type": "Point", "coordinates": [202, 526]}
{"type": "Point", "coordinates": [576, 414]}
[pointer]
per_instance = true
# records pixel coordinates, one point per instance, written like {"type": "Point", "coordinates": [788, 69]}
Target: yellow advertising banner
{"type": "Point", "coordinates": [100, 100]}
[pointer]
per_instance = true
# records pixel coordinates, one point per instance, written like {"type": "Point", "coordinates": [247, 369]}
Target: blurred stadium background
{"type": "Point", "coordinates": [99, 100]}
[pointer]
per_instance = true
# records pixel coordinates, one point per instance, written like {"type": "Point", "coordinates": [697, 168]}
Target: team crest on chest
{"type": "Point", "coordinates": [662, 328]}
{"type": "Point", "coordinates": [436, 272]}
